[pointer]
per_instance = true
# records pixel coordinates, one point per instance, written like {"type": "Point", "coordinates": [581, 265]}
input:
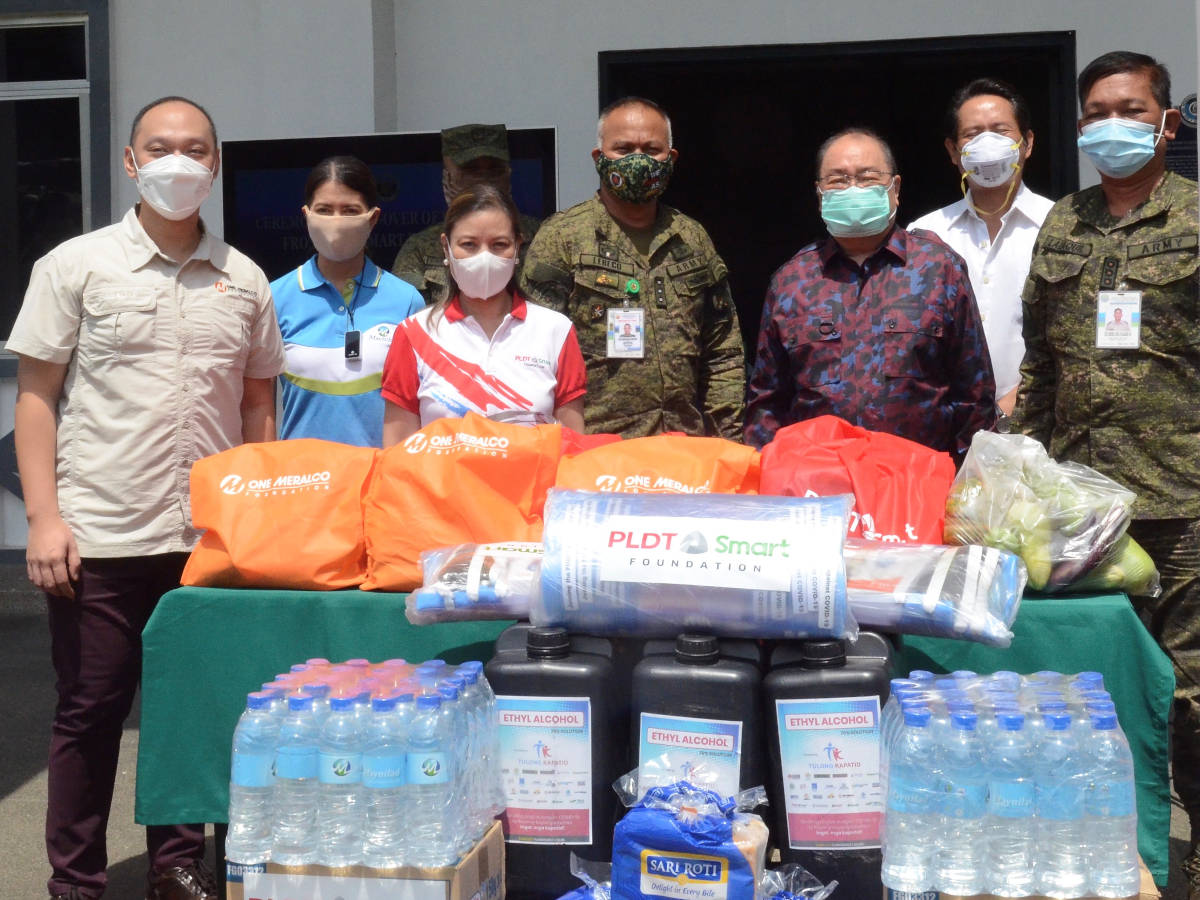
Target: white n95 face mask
{"type": "Point", "coordinates": [483, 275]}
{"type": "Point", "coordinates": [990, 159]}
{"type": "Point", "coordinates": [174, 185]}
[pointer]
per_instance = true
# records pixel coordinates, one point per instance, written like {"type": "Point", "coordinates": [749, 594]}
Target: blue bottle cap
{"type": "Point", "coordinates": [1057, 721]}
{"type": "Point", "coordinates": [1104, 721]}
{"type": "Point", "coordinates": [383, 704]}
{"type": "Point", "coordinates": [447, 691]}
{"type": "Point", "coordinates": [341, 704]}
{"type": "Point", "coordinates": [1010, 721]}
{"type": "Point", "coordinates": [1100, 706]}
{"type": "Point", "coordinates": [964, 721]}
{"type": "Point", "coordinates": [917, 716]}
{"type": "Point", "coordinates": [260, 700]}
{"type": "Point", "coordinates": [898, 683]}
{"type": "Point", "coordinates": [403, 696]}
{"type": "Point", "coordinates": [429, 701]}
{"type": "Point", "coordinates": [319, 689]}
{"type": "Point", "coordinates": [427, 600]}
{"type": "Point", "coordinates": [299, 702]}
{"type": "Point", "coordinates": [461, 600]}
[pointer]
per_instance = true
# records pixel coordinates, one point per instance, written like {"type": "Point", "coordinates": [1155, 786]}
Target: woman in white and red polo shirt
{"type": "Point", "coordinates": [486, 349]}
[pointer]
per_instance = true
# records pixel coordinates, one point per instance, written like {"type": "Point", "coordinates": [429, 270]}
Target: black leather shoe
{"type": "Point", "coordinates": [194, 882]}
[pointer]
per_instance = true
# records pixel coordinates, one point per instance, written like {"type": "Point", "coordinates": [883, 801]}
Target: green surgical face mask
{"type": "Point", "coordinates": [857, 211]}
{"type": "Point", "coordinates": [636, 178]}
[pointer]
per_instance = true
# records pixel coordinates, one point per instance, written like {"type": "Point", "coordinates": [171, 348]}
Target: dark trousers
{"type": "Point", "coordinates": [1174, 620]}
{"type": "Point", "coordinates": [96, 645]}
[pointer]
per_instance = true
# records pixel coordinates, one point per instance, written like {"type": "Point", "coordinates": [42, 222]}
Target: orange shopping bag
{"type": "Point", "coordinates": [456, 481]}
{"type": "Point", "coordinates": [899, 486]}
{"type": "Point", "coordinates": [663, 464]}
{"type": "Point", "coordinates": [283, 514]}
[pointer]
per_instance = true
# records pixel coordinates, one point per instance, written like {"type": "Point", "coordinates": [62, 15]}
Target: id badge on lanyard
{"type": "Point", "coordinates": [626, 332]}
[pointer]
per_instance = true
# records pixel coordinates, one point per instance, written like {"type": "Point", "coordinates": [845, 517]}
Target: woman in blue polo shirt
{"type": "Point", "coordinates": [338, 312]}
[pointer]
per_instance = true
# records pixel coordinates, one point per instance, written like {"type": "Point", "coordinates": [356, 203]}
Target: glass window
{"type": "Point", "coordinates": [43, 53]}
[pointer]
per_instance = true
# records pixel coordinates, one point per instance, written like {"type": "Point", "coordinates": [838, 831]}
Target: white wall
{"type": "Point", "coordinates": [262, 68]}
{"type": "Point", "coordinates": [533, 62]}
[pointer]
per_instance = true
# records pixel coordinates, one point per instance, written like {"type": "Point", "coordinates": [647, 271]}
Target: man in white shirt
{"type": "Point", "coordinates": [996, 223]}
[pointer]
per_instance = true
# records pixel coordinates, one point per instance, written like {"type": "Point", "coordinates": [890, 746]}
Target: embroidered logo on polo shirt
{"type": "Point", "coordinates": [532, 362]}
{"type": "Point", "coordinates": [228, 287]}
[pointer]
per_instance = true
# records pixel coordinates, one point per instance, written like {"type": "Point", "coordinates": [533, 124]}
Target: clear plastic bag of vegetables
{"type": "Point", "coordinates": [1065, 520]}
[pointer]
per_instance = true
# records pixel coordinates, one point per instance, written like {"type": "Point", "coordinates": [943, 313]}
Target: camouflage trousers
{"type": "Point", "coordinates": [1174, 620]}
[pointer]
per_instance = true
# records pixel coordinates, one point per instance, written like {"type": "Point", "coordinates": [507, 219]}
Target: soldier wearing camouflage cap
{"type": "Point", "coordinates": [471, 154]}
{"type": "Point", "coordinates": [1124, 400]}
{"type": "Point", "coordinates": [647, 292]}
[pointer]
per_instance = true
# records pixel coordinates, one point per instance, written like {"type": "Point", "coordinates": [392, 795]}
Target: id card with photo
{"type": "Point", "coordinates": [626, 332]}
{"type": "Point", "coordinates": [1119, 320]}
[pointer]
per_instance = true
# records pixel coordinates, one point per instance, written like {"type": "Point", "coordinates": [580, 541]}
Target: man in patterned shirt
{"type": "Point", "coordinates": [873, 324]}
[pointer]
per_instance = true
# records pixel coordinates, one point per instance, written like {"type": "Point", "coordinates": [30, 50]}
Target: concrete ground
{"type": "Point", "coordinates": [26, 707]}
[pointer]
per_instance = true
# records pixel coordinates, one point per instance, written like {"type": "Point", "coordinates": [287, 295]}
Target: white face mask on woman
{"type": "Point", "coordinates": [339, 237]}
{"type": "Point", "coordinates": [483, 275]}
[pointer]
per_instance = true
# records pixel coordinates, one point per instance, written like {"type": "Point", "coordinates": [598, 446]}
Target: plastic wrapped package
{"type": "Point", "coordinates": [791, 881]}
{"type": "Point", "coordinates": [1065, 520]}
{"type": "Point", "coordinates": [677, 840]}
{"type": "Point", "coordinates": [971, 593]}
{"type": "Point", "coordinates": [476, 582]}
{"type": "Point", "coordinates": [596, 878]}
{"type": "Point", "coordinates": [653, 565]}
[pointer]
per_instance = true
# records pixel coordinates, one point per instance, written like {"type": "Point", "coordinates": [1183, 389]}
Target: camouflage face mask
{"type": "Point", "coordinates": [636, 178]}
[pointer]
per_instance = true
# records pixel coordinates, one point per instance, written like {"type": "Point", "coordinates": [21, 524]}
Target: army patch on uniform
{"type": "Point", "coordinates": [685, 268]}
{"type": "Point", "coordinates": [1062, 245]}
{"type": "Point", "coordinates": [597, 312]}
{"type": "Point", "coordinates": [606, 280]}
{"type": "Point", "coordinates": [1163, 245]}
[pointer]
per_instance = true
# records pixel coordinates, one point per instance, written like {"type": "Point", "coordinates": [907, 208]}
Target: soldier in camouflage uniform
{"type": "Point", "coordinates": [471, 154]}
{"type": "Point", "coordinates": [1124, 402]}
{"type": "Point", "coordinates": [647, 292]}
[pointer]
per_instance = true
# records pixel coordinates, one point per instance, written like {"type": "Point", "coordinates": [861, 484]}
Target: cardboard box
{"type": "Point", "coordinates": [478, 876]}
{"type": "Point", "coordinates": [1146, 891]}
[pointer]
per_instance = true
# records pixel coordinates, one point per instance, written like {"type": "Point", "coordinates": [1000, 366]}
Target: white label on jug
{"type": "Point", "coordinates": [546, 767]}
{"type": "Point", "coordinates": [727, 553]}
{"type": "Point", "coordinates": [705, 752]}
{"type": "Point", "coordinates": [829, 757]}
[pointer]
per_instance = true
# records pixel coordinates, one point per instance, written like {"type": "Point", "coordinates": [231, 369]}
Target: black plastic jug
{"type": "Point", "coordinates": [696, 714]}
{"type": "Point", "coordinates": [823, 702]}
{"type": "Point", "coordinates": [561, 725]}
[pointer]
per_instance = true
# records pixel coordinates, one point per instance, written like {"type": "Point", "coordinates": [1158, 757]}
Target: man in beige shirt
{"type": "Point", "coordinates": [141, 347]}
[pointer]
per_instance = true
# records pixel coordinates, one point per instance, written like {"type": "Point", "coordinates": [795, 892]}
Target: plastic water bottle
{"type": "Point", "coordinates": [429, 771]}
{"type": "Point", "coordinates": [339, 800]}
{"type": "Point", "coordinates": [908, 824]}
{"type": "Point", "coordinates": [383, 785]}
{"type": "Point", "coordinates": [456, 723]}
{"type": "Point", "coordinates": [1110, 812]}
{"type": "Point", "coordinates": [493, 783]}
{"type": "Point", "coordinates": [1008, 865]}
{"type": "Point", "coordinates": [294, 835]}
{"type": "Point", "coordinates": [1060, 866]}
{"type": "Point", "coordinates": [958, 857]}
{"type": "Point", "coordinates": [251, 782]}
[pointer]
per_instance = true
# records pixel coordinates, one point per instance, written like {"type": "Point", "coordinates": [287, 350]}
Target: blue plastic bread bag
{"type": "Point", "coordinates": [652, 565]}
{"type": "Point", "coordinates": [683, 843]}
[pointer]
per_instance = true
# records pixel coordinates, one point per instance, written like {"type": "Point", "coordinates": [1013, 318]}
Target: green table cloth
{"type": "Point", "coordinates": [1077, 633]}
{"type": "Point", "coordinates": [204, 649]}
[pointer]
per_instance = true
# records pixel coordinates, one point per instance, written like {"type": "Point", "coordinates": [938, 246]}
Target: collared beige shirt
{"type": "Point", "coordinates": [156, 354]}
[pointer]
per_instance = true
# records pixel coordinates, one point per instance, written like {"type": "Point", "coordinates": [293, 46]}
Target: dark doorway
{"type": "Point", "coordinates": [748, 122]}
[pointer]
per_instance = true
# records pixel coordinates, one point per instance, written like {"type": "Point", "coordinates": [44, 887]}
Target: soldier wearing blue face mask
{"type": "Point", "coordinates": [1112, 362]}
